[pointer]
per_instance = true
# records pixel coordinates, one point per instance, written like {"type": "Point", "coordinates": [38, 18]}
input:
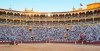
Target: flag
{"type": "Point", "coordinates": [81, 4]}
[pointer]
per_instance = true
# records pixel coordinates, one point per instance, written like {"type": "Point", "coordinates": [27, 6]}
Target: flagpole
{"type": "Point", "coordinates": [80, 6]}
{"type": "Point", "coordinates": [10, 7]}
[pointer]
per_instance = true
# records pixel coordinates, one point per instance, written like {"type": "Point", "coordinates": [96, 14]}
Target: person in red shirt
{"type": "Point", "coordinates": [16, 43]}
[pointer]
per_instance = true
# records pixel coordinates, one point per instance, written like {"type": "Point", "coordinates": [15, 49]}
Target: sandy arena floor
{"type": "Point", "coordinates": [49, 47]}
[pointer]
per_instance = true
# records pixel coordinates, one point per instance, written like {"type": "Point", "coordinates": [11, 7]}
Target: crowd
{"type": "Point", "coordinates": [92, 33]}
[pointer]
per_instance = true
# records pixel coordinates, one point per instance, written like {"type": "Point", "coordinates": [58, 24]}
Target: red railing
{"type": "Point", "coordinates": [38, 41]}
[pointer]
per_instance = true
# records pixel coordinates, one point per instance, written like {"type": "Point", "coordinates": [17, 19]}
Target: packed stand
{"type": "Point", "coordinates": [57, 34]}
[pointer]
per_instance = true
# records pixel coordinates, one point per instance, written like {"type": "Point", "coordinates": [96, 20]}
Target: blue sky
{"type": "Point", "coordinates": [45, 5]}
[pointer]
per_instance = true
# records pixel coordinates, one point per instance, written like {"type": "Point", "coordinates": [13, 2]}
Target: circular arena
{"type": "Point", "coordinates": [77, 30]}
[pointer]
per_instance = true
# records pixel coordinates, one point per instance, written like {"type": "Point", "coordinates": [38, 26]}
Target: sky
{"type": "Point", "coordinates": [45, 5]}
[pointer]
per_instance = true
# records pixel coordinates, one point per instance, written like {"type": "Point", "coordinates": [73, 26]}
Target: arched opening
{"type": "Point", "coordinates": [53, 15]}
{"type": "Point", "coordinates": [95, 12]}
{"type": "Point", "coordinates": [4, 13]}
{"type": "Point", "coordinates": [87, 13]}
{"type": "Point", "coordinates": [60, 15]}
{"type": "Point", "coordinates": [23, 15]}
{"type": "Point", "coordinates": [90, 13]}
{"type": "Point", "coordinates": [66, 15]}
{"type": "Point", "coordinates": [34, 15]}
{"type": "Point", "coordinates": [41, 15]}
{"type": "Point", "coordinates": [72, 14]}
{"type": "Point", "coordinates": [8, 13]}
{"type": "Point", "coordinates": [98, 12]}
{"type": "Point", "coordinates": [76, 15]}
{"type": "Point", "coordinates": [83, 14]}
{"type": "Point", "coordinates": [80, 14]}
{"type": "Point", "coordinates": [15, 14]}
{"type": "Point", "coordinates": [56, 15]}
{"type": "Point", "coordinates": [37, 15]}
{"type": "Point", "coordinates": [0, 12]}
{"type": "Point", "coordinates": [44, 15]}
{"type": "Point", "coordinates": [11, 13]}
{"type": "Point", "coordinates": [69, 15]}
{"type": "Point", "coordinates": [28, 16]}
{"type": "Point", "coordinates": [18, 14]}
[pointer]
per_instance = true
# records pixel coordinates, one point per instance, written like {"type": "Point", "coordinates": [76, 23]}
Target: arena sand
{"type": "Point", "coordinates": [49, 47]}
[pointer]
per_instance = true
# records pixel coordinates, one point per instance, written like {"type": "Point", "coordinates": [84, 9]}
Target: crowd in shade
{"type": "Point", "coordinates": [7, 33]}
